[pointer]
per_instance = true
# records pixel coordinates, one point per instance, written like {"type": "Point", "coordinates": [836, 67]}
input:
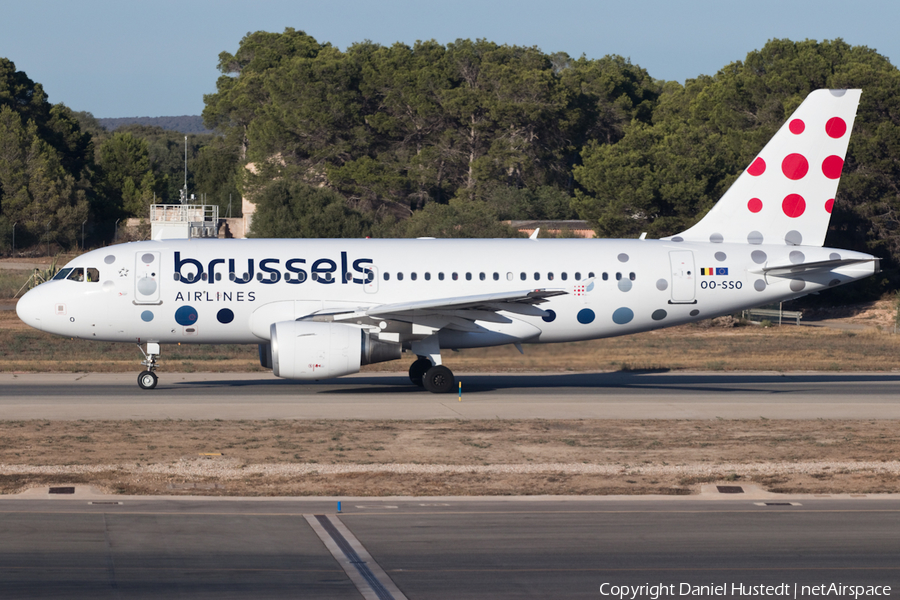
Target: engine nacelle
{"type": "Point", "coordinates": [265, 356]}
{"type": "Point", "coordinates": [320, 350]}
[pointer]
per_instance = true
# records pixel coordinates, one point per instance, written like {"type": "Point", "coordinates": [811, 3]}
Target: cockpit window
{"type": "Point", "coordinates": [79, 274]}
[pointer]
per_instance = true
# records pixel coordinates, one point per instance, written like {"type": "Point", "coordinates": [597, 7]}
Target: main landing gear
{"type": "Point", "coordinates": [437, 379]}
{"type": "Point", "coordinates": [148, 379]}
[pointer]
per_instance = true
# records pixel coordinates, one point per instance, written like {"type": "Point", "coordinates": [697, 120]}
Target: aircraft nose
{"type": "Point", "coordinates": [28, 309]}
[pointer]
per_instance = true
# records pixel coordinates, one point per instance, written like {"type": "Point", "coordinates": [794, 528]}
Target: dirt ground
{"type": "Point", "coordinates": [376, 458]}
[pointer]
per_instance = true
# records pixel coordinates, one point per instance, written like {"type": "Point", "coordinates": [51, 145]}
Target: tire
{"type": "Point", "coordinates": [418, 369]}
{"type": "Point", "coordinates": [439, 380]}
{"type": "Point", "coordinates": [147, 380]}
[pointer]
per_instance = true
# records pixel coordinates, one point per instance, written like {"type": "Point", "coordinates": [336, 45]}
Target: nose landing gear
{"type": "Point", "coordinates": [147, 380]}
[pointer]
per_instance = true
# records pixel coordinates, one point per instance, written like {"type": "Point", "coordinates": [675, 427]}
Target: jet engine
{"type": "Point", "coordinates": [321, 350]}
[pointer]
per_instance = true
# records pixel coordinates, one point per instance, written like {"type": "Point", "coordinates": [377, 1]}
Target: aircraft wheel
{"type": "Point", "coordinates": [147, 380]}
{"type": "Point", "coordinates": [439, 380]}
{"type": "Point", "coordinates": [418, 369]}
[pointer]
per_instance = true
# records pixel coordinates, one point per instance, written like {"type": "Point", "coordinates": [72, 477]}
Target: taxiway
{"type": "Point", "coordinates": [618, 395]}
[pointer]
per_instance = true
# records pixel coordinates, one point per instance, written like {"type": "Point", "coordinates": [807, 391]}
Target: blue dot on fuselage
{"type": "Point", "coordinates": [186, 315]}
{"type": "Point", "coordinates": [147, 316]}
{"type": "Point", "coordinates": [550, 316]}
{"type": "Point", "coordinates": [622, 315]}
{"type": "Point", "coordinates": [225, 315]}
{"type": "Point", "coordinates": [585, 316]}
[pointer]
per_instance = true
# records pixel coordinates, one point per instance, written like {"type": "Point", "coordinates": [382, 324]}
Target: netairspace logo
{"type": "Point", "coordinates": [736, 590]}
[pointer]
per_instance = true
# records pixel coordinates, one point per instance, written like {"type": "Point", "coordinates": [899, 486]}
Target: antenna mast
{"type": "Point", "coordinates": [184, 192]}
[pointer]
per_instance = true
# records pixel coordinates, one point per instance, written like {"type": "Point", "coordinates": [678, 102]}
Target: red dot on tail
{"type": "Point", "coordinates": [755, 205]}
{"type": "Point", "coordinates": [832, 167]}
{"type": "Point", "coordinates": [795, 166]}
{"type": "Point", "coordinates": [793, 205]}
{"type": "Point", "coordinates": [835, 127]}
{"type": "Point", "coordinates": [757, 168]}
{"type": "Point", "coordinates": [829, 205]}
{"type": "Point", "coordinates": [797, 126]}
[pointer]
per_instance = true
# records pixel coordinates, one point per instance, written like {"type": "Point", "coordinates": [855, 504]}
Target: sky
{"type": "Point", "coordinates": [137, 58]}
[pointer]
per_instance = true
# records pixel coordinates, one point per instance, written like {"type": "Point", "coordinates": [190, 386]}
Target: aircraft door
{"type": "Point", "coordinates": [371, 284]}
{"type": "Point", "coordinates": [147, 278]}
{"type": "Point", "coordinates": [684, 276]}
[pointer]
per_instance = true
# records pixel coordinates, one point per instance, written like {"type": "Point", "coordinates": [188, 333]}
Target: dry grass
{"type": "Point", "coordinates": [726, 451]}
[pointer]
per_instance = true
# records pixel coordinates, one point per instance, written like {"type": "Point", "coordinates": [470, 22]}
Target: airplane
{"type": "Point", "coordinates": [321, 308]}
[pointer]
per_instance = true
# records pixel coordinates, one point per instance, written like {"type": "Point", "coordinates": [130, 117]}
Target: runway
{"type": "Point", "coordinates": [617, 395]}
{"type": "Point", "coordinates": [125, 547]}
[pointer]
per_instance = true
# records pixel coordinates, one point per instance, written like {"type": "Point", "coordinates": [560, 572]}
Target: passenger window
{"type": "Point", "coordinates": [413, 276]}
{"type": "Point", "coordinates": [496, 276]}
{"type": "Point", "coordinates": [427, 276]}
{"type": "Point", "coordinates": [481, 276]}
{"type": "Point", "coordinates": [537, 276]}
{"type": "Point", "coordinates": [523, 276]}
{"type": "Point", "coordinates": [218, 277]}
{"type": "Point", "coordinates": [631, 276]}
{"type": "Point", "coordinates": [564, 276]}
{"type": "Point", "coordinates": [549, 276]}
{"type": "Point", "coordinates": [577, 276]}
{"type": "Point", "coordinates": [591, 275]}
{"type": "Point", "coordinates": [509, 276]}
{"type": "Point", "coordinates": [76, 274]}
{"type": "Point", "coordinates": [441, 276]}
{"type": "Point", "coordinates": [204, 277]}
{"type": "Point", "coordinates": [387, 276]}
{"type": "Point", "coordinates": [618, 276]}
{"type": "Point", "coordinates": [468, 277]}
{"type": "Point", "coordinates": [455, 276]}
{"type": "Point", "coordinates": [399, 276]}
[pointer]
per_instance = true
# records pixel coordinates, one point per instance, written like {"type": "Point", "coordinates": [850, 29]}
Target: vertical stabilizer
{"type": "Point", "coordinates": [786, 194]}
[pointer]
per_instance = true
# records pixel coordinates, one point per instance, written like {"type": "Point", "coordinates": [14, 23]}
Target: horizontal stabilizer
{"type": "Point", "coordinates": [812, 267]}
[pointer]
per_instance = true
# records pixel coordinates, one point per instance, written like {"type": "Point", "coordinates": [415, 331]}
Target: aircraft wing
{"type": "Point", "coordinates": [459, 312]}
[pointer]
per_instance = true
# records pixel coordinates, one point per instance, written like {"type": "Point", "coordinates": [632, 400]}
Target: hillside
{"type": "Point", "coordinates": [183, 124]}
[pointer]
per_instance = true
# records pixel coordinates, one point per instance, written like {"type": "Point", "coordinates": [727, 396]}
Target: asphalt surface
{"type": "Point", "coordinates": [439, 547]}
{"type": "Point", "coordinates": [620, 395]}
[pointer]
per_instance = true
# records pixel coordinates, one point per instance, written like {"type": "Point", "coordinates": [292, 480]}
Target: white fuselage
{"type": "Point", "coordinates": [193, 291]}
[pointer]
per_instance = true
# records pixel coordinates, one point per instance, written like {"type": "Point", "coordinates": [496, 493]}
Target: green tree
{"type": "Point", "coordinates": [293, 209]}
{"type": "Point", "coordinates": [46, 164]}
{"type": "Point", "coordinates": [216, 176]}
{"type": "Point", "coordinates": [395, 128]}
{"type": "Point", "coordinates": [128, 181]}
{"type": "Point", "coordinates": [461, 218]}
